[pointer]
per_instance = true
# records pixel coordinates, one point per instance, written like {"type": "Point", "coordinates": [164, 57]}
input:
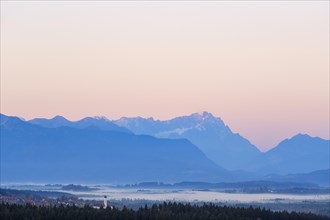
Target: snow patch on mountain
{"type": "Point", "coordinates": [101, 118]}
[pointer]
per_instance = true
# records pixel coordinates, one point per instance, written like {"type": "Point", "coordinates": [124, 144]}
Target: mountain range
{"type": "Point", "coordinates": [31, 152]}
{"type": "Point", "coordinates": [97, 122]}
{"type": "Point", "coordinates": [299, 154]}
{"type": "Point", "coordinates": [199, 147]}
{"type": "Point", "coordinates": [209, 133]}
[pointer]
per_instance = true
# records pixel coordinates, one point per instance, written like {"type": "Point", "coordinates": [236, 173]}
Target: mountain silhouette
{"type": "Point", "coordinates": [188, 148]}
{"type": "Point", "coordinates": [299, 154]}
{"type": "Point", "coordinates": [31, 152]}
{"type": "Point", "coordinates": [209, 133]}
{"type": "Point", "coordinates": [98, 122]}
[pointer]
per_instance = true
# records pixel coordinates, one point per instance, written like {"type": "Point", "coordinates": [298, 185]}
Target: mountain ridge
{"type": "Point", "coordinates": [207, 132]}
{"type": "Point", "coordinates": [98, 122]}
{"type": "Point", "coordinates": [31, 152]}
{"type": "Point", "coordinates": [300, 153]}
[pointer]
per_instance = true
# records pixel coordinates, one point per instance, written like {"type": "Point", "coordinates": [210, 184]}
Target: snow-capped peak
{"type": "Point", "coordinates": [101, 118]}
{"type": "Point", "coordinates": [202, 115]}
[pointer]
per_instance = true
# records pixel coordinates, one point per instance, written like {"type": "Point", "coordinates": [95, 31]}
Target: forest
{"type": "Point", "coordinates": [162, 211]}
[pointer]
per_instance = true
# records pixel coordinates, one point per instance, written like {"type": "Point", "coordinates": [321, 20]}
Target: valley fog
{"type": "Point", "coordinates": [178, 195]}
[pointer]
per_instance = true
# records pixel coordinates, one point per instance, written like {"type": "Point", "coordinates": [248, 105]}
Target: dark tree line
{"type": "Point", "coordinates": [170, 211]}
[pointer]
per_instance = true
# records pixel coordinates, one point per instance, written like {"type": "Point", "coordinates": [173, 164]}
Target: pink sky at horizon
{"type": "Point", "coordinates": [263, 67]}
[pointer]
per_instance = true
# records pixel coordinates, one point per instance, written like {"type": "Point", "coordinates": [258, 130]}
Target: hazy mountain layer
{"type": "Point", "coordinates": [98, 122]}
{"type": "Point", "coordinates": [320, 177]}
{"type": "Point", "coordinates": [63, 147]}
{"type": "Point", "coordinates": [299, 154]}
{"type": "Point", "coordinates": [209, 133]}
{"type": "Point", "coordinates": [37, 154]}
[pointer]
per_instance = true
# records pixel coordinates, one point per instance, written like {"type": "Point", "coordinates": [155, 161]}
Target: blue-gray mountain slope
{"type": "Point", "coordinates": [98, 122]}
{"type": "Point", "coordinates": [299, 154]}
{"type": "Point", "coordinates": [207, 132]}
{"type": "Point", "coordinates": [31, 153]}
{"type": "Point", "coordinates": [319, 177]}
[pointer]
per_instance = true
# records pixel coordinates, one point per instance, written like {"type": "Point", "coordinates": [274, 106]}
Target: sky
{"type": "Point", "coordinates": [262, 66]}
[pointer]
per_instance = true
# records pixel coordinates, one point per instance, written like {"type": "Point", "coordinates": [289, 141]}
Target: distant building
{"type": "Point", "coordinates": [105, 202]}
